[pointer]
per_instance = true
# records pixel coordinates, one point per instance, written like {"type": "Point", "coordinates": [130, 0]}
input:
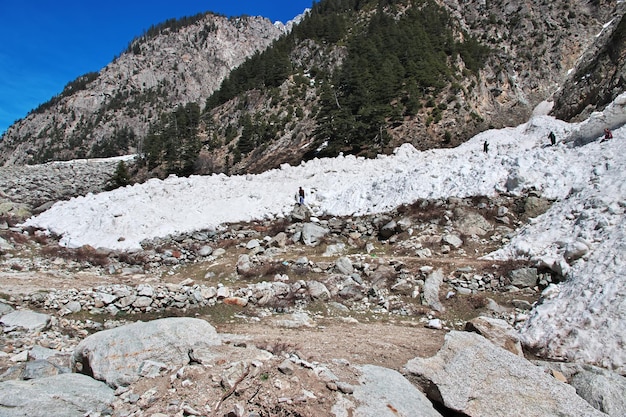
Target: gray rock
{"type": "Point", "coordinates": [604, 390]}
{"type": "Point", "coordinates": [522, 304]}
{"type": "Point", "coordinates": [5, 245]}
{"type": "Point", "coordinates": [382, 276]}
{"type": "Point", "coordinates": [431, 290]}
{"type": "Point", "coordinates": [332, 250]}
{"type": "Point", "coordinates": [243, 264]}
{"type": "Point", "coordinates": [312, 234]}
{"type": "Point", "coordinates": [344, 266]}
{"type": "Point", "coordinates": [205, 251]}
{"type": "Point", "coordinates": [286, 367]}
{"type": "Point", "coordinates": [576, 250]}
{"type": "Point", "coordinates": [318, 291]}
{"type": "Point", "coordinates": [498, 332]}
{"type": "Point", "coordinates": [383, 392]}
{"type": "Point", "coordinates": [453, 240]}
{"type": "Point", "coordinates": [5, 308]}
{"type": "Point", "coordinates": [536, 206]}
{"type": "Point", "coordinates": [41, 369]}
{"type": "Point", "coordinates": [301, 213]}
{"type": "Point", "coordinates": [252, 244]}
{"type": "Point", "coordinates": [472, 376]}
{"type": "Point", "coordinates": [280, 240]}
{"type": "Point", "coordinates": [61, 359]}
{"type": "Point", "coordinates": [116, 356]}
{"type": "Point", "coordinates": [73, 306]}
{"type": "Point", "coordinates": [25, 320]}
{"type": "Point", "coordinates": [471, 223]}
{"type": "Point", "coordinates": [524, 277]}
{"type": "Point", "coordinates": [68, 395]}
{"type": "Point", "coordinates": [389, 229]}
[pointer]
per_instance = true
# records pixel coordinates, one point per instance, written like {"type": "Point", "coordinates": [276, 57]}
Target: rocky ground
{"type": "Point", "coordinates": [329, 293]}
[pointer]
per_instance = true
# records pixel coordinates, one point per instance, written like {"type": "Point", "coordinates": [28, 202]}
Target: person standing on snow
{"type": "Point", "coordinates": [486, 147]}
{"type": "Point", "coordinates": [552, 138]}
{"type": "Point", "coordinates": [300, 196]}
{"type": "Point", "coordinates": [607, 134]}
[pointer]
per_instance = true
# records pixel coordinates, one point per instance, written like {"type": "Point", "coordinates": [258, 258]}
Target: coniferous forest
{"type": "Point", "coordinates": [397, 56]}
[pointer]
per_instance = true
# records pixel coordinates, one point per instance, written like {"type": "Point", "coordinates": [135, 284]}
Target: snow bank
{"type": "Point", "coordinates": [582, 235]}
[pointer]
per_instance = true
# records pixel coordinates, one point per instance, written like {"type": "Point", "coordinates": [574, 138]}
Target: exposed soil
{"type": "Point", "coordinates": [329, 337]}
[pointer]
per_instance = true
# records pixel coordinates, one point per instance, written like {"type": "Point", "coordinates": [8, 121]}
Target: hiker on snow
{"type": "Point", "coordinates": [552, 138]}
{"type": "Point", "coordinates": [301, 196]}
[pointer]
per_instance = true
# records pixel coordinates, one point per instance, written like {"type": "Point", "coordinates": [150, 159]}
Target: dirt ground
{"type": "Point", "coordinates": [241, 376]}
{"type": "Point", "coordinates": [231, 383]}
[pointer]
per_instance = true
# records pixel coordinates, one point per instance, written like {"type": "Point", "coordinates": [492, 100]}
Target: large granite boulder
{"type": "Point", "coordinates": [67, 395]}
{"type": "Point", "coordinates": [121, 355]}
{"type": "Point", "coordinates": [474, 377]}
{"type": "Point", "coordinates": [383, 392]}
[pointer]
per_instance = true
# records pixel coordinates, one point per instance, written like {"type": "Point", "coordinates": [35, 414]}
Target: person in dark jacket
{"type": "Point", "coordinates": [486, 147]}
{"type": "Point", "coordinates": [301, 196]}
{"type": "Point", "coordinates": [552, 138]}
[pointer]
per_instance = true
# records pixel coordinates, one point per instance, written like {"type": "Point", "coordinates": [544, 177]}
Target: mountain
{"type": "Point", "coordinates": [176, 62]}
{"type": "Point", "coordinates": [214, 95]}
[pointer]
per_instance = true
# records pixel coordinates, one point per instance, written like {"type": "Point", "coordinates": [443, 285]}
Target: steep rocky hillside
{"type": "Point", "coordinates": [535, 47]}
{"type": "Point", "coordinates": [525, 52]}
{"type": "Point", "coordinates": [168, 67]}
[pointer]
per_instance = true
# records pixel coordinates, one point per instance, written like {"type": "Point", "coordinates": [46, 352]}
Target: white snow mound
{"type": "Point", "coordinates": [582, 235]}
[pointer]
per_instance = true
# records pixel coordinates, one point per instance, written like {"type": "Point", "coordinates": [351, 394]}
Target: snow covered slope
{"type": "Point", "coordinates": [582, 235]}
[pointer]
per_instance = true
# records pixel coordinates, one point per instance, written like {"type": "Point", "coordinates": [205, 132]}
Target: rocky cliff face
{"type": "Point", "coordinates": [571, 52]}
{"type": "Point", "coordinates": [600, 74]}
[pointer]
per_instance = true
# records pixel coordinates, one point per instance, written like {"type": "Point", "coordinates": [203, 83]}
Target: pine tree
{"type": "Point", "coordinates": [120, 178]}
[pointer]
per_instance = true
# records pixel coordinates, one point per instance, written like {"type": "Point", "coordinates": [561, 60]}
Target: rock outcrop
{"type": "Point", "coordinates": [473, 377]}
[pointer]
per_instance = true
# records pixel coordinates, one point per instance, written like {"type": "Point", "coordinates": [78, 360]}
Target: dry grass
{"type": "Point", "coordinates": [83, 254]}
{"type": "Point", "coordinates": [278, 347]}
{"type": "Point", "coordinates": [263, 271]}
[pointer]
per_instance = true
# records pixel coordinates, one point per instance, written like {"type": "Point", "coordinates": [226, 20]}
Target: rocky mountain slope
{"type": "Point", "coordinates": [537, 50]}
{"type": "Point", "coordinates": [158, 72]}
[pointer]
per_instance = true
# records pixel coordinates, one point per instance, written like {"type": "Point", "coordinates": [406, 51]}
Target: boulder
{"type": "Point", "coordinates": [388, 229]}
{"type": "Point", "coordinates": [344, 266]}
{"type": "Point", "coordinates": [68, 395]}
{"type": "Point", "coordinates": [301, 213]}
{"type": "Point", "coordinates": [474, 377]}
{"type": "Point", "coordinates": [524, 277]}
{"type": "Point", "coordinates": [536, 206]}
{"type": "Point", "coordinates": [5, 308]}
{"type": "Point", "coordinates": [431, 290]}
{"type": "Point", "coordinates": [471, 223]}
{"type": "Point", "coordinates": [312, 234]}
{"type": "Point", "coordinates": [498, 332]}
{"type": "Point", "coordinates": [25, 320]}
{"type": "Point", "coordinates": [383, 276]}
{"type": "Point", "coordinates": [604, 390]}
{"type": "Point", "coordinates": [383, 392]}
{"type": "Point", "coordinates": [318, 291]}
{"type": "Point", "coordinates": [117, 355]}
{"type": "Point", "coordinates": [5, 245]}
{"type": "Point", "coordinates": [453, 240]}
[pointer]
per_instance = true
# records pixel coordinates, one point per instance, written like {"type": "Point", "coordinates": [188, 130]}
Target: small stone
{"type": "Point", "coordinates": [286, 367]}
{"type": "Point", "coordinates": [345, 387]}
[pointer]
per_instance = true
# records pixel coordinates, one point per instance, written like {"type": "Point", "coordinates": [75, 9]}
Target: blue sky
{"type": "Point", "coordinates": [46, 44]}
